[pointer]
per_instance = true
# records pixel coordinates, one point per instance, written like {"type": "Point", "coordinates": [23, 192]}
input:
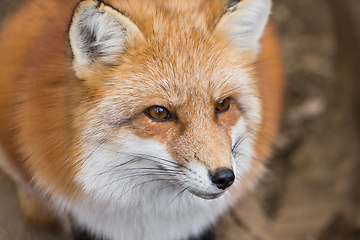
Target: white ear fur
{"type": "Point", "coordinates": [244, 23]}
{"type": "Point", "coordinates": [99, 34]}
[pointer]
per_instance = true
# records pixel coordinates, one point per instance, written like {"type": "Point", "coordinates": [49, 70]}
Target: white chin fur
{"type": "Point", "coordinates": [139, 208]}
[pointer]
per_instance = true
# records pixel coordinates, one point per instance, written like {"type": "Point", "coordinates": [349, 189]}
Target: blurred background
{"type": "Point", "coordinates": [312, 188]}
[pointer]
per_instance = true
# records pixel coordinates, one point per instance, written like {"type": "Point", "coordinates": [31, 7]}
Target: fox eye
{"type": "Point", "coordinates": [223, 105]}
{"type": "Point", "coordinates": [158, 113]}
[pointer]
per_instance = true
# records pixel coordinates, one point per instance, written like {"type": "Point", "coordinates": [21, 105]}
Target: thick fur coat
{"type": "Point", "coordinates": [83, 89]}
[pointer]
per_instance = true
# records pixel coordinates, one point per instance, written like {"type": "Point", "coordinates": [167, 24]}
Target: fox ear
{"type": "Point", "coordinates": [243, 24]}
{"type": "Point", "coordinates": [98, 35]}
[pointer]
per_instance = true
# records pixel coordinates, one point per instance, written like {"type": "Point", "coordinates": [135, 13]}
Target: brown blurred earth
{"type": "Point", "coordinates": [311, 191]}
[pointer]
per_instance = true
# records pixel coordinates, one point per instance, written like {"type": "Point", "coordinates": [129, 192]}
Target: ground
{"type": "Point", "coordinates": [311, 190]}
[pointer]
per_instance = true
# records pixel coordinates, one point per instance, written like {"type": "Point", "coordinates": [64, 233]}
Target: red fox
{"type": "Point", "coordinates": [134, 119]}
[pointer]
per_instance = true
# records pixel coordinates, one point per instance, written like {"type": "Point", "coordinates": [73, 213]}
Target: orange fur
{"type": "Point", "coordinates": [40, 94]}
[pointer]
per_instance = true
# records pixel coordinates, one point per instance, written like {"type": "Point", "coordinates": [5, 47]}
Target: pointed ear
{"type": "Point", "coordinates": [99, 34]}
{"type": "Point", "coordinates": [243, 24]}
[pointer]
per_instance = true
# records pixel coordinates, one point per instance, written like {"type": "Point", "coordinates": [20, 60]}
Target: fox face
{"type": "Point", "coordinates": [138, 119]}
{"type": "Point", "coordinates": [178, 105]}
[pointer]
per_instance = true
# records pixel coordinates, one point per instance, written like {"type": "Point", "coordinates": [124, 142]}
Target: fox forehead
{"type": "Point", "coordinates": [187, 84]}
{"type": "Point", "coordinates": [176, 74]}
{"type": "Point", "coordinates": [151, 16]}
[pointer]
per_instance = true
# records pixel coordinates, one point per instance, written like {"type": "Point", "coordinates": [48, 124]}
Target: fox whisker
{"type": "Point", "coordinates": [151, 158]}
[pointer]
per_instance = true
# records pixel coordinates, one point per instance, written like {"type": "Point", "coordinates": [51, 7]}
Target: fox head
{"type": "Point", "coordinates": [170, 95]}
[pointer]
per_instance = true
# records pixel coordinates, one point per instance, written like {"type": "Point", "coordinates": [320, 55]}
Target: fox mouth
{"type": "Point", "coordinates": [206, 195]}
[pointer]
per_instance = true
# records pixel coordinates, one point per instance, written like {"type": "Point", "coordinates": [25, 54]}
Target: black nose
{"type": "Point", "coordinates": [223, 178]}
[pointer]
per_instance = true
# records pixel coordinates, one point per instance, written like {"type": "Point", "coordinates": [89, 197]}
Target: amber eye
{"type": "Point", "coordinates": [223, 105]}
{"type": "Point", "coordinates": [159, 114]}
